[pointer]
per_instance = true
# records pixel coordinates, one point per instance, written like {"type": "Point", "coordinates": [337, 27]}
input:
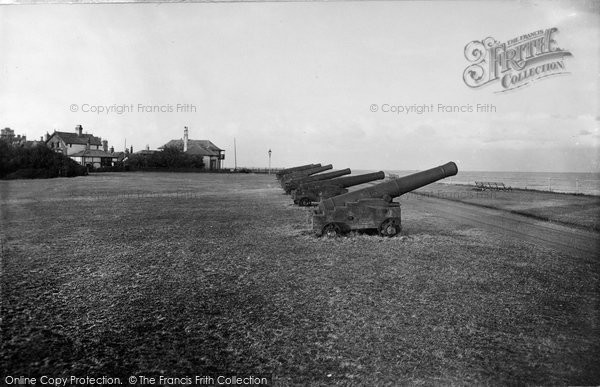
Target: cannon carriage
{"type": "Point", "coordinates": [373, 207]}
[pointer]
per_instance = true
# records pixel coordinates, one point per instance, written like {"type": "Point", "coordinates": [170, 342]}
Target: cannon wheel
{"type": "Point", "coordinates": [304, 202]}
{"type": "Point", "coordinates": [390, 227]}
{"type": "Point", "coordinates": [332, 230]}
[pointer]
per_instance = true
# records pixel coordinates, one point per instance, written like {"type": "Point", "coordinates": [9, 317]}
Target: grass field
{"type": "Point", "coordinates": [582, 211]}
{"type": "Point", "coordinates": [199, 274]}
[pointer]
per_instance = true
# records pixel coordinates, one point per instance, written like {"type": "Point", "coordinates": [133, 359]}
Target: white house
{"type": "Point", "coordinates": [212, 155]}
{"type": "Point", "coordinates": [86, 149]}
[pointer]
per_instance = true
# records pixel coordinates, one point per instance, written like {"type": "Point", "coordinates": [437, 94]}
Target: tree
{"type": "Point", "coordinates": [36, 162]}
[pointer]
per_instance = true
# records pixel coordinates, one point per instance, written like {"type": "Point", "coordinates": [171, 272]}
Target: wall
{"type": "Point", "coordinates": [68, 150]}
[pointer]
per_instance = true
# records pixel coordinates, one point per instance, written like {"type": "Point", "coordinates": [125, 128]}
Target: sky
{"type": "Point", "coordinates": [304, 79]}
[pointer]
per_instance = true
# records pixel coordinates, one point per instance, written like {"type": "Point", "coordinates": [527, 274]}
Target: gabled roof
{"type": "Point", "coordinates": [196, 147]}
{"type": "Point", "coordinates": [74, 138]}
{"type": "Point", "coordinates": [94, 153]}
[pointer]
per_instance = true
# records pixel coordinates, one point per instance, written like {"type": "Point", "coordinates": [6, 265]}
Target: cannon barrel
{"type": "Point", "coordinates": [395, 187]}
{"type": "Point", "coordinates": [294, 169]}
{"type": "Point", "coordinates": [303, 173]}
{"type": "Point", "coordinates": [347, 181]}
{"type": "Point", "coordinates": [293, 184]}
{"type": "Point", "coordinates": [319, 190]}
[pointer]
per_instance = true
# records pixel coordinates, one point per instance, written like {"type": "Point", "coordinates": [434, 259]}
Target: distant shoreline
{"type": "Point", "coordinates": [558, 182]}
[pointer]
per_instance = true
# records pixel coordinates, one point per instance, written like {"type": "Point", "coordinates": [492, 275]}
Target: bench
{"type": "Point", "coordinates": [492, 186]}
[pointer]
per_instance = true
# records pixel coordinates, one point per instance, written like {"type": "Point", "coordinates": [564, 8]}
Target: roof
{"type": "Point", "coordinates": [146, 152]}
{"type": "Point", "coordinates": [30, 144]}
{"type": "Point", "coordinates": [196, 147]}
{"type": "Point", "coordinates": [119, 155]}
{"type": "Point", "coordinates": [74, 138]}
{"type": "Point", "coordinates": [94, 153]}
{"type": "Point", "coordinates": [206, 144]}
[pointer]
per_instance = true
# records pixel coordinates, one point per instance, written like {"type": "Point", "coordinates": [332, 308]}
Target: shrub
{"type": "Point", "coordinates": [170, 158]}
{"type": "Point", "coordinates": [35, 163]}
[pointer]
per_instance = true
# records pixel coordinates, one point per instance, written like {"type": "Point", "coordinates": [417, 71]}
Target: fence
{"type": "Point", "coordinates": [256, 170]}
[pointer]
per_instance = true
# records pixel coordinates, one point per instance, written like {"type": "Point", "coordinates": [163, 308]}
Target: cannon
{"type": "Point", "coordinates": [373, 207]}
{"type": "Point", "coordinates": [303, 173]}
{"type": "Point", "coordinates": [293, 184]}
{"type": "Point", "coordinates": [286, 171]}
{"type": "Point", "coordinates": [305, 194]}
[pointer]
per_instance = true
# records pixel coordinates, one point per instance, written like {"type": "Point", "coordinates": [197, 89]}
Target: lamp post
{"type": "Point", "coordinates": [270, 161]}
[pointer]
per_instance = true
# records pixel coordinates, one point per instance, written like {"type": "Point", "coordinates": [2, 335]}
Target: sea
{"type": "Point", "coordinates": [568, 182]}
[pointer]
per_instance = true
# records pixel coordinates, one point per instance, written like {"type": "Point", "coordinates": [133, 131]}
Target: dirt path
{"type": "Point", "coordinates": [567, 240]}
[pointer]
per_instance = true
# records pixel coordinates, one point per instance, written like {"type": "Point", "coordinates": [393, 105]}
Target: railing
{"type": "Point", "coordinates": [550, 184]}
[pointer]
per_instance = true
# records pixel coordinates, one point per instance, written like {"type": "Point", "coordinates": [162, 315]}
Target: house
{"type": "Point", "coordinates": [8, 135]}
{"type": "Point", "coordinates": [212, 155]}
{"type": "Point", "coordinates": [34, 143]}
{"type": "Point", "coordinates": [69, 143]}
{"type": "Point", "coordinates": [95, 157]}
{"type": "Point", "coordinates": [146, 152]}
{"type": "Point", "coordinates": [86, 149]}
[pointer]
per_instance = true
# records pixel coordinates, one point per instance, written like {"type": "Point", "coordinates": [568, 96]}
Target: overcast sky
{"type": "Point", "coordinates": [300, 79]}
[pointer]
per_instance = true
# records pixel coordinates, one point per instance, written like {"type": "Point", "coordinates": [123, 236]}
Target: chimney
{"type": "Point", "coordinates": [105, 145]}
{"type": "Point", "coordinates": [47, 136]}
{"type": "Point", "coordinates": [112, 149]}
{"type": "Point", "coordinates": [147, 147]}
{"type": "Point", "coordinates": [41, 138]}
{"type": "Point", "coordinates": [131, 150]}
{"type": "Point", "coordinates": [185, 138]}
{"type": "Point", "coordinates": [79, 129]}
